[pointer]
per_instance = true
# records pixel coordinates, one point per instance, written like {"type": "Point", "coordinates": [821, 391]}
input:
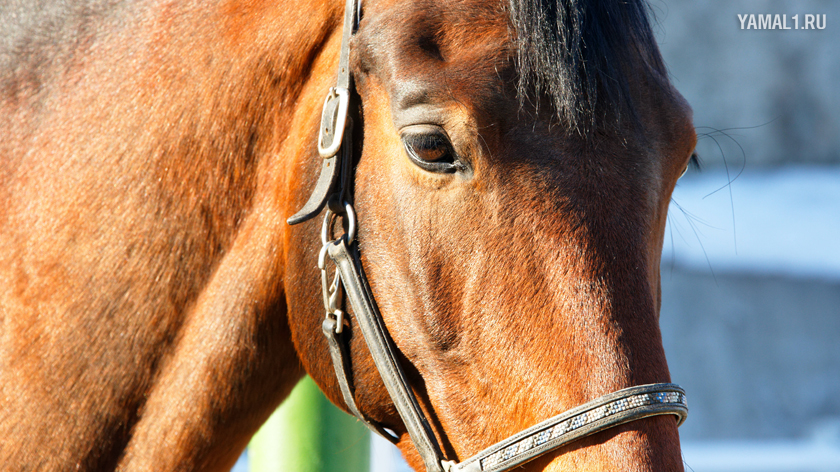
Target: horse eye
{"type": "Point", "coordinates": [431, 151]}
{"type": "Point", "coordinates": [427, 147]}
{"type": "Point", "coordinates": [693, 163]}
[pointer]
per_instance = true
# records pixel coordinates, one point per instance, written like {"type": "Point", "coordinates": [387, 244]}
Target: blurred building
{"type": "Point", "coordinates": [776, 91]}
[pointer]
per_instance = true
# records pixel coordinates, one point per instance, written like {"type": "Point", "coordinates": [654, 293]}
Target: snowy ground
{"type": "Point", "coordinates": [762, 456]}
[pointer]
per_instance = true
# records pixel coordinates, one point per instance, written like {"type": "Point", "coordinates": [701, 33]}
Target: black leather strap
{"type": "Point", "coordinates": [333, 127]}
{"type": "Point", "coordinates": [375, 334]}
{"type": "Point", "coordinates": [341, 364]}
{"type": "Point", "coordinates": [605, 412]}
{"type": "Point", "coordinates": [344, 79]}
{"type": "Point", "coordinates": [320, 194]}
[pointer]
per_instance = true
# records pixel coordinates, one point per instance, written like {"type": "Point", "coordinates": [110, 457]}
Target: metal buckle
{"type": "Point", "coordinates": [337, 121]}
{"type": "Point", "coordinates": [330, 291]}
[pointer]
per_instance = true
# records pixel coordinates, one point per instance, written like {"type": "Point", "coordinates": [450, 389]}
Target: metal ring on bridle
{"type": "Point", "coordinates": [329, 218]}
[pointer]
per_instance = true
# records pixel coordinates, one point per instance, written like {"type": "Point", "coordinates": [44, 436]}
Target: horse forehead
{"type": "Point", "coordinates": [455, 18]}
{"type": "Point", "coordinates": [425, 49]}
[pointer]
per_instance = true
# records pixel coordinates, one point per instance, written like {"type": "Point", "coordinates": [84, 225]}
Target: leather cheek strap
{"type": "Point", "coordinates": [383, 352]}
{"type": "Point", "coordinates": [608, 411]}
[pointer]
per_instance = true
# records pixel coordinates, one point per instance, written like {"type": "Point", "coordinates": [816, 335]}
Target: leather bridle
{"type": "Point", "coordinates": [333, 191]}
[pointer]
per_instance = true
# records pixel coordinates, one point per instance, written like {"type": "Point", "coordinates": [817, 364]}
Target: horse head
{"type": "Point", "coordinates": [509, 165]}
{"type": "Point", "coordinates": [515, 164]}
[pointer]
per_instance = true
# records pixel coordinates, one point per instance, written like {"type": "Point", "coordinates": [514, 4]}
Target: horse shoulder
{"type": "Point", "coordinates": [141, 250]}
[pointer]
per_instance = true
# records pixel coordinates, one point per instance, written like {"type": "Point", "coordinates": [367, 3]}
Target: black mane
{"type": "Point", "coordinates": [576, 53]}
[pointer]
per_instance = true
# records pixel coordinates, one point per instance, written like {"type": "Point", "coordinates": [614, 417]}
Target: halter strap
{"type": "Point", "coordinates": [335, 146]}
{"type": "Point", "coordinates": [384, 354]}
{"type": "Point", "coordinates": [334, 118]}
{"type": "Point", "coordinates": [608, 411]}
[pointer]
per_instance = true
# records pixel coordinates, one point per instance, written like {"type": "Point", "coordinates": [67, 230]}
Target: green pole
{"type": "Point", "coordinates": [310, 434]}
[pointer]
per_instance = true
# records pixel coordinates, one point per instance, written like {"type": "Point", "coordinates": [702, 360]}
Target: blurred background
{"type": "Point", "coordinates": [751, 263]}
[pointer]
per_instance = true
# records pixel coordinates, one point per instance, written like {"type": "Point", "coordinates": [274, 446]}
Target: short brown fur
{"type": "Point", "coordinates": [155, 307]}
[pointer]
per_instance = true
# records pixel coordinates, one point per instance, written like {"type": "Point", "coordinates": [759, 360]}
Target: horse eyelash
{"type": "Point", "coordinates": [694, 163]}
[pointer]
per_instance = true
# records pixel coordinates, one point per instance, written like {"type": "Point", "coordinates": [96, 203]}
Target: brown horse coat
{"type": "Point", "coordinates": [155, 307]}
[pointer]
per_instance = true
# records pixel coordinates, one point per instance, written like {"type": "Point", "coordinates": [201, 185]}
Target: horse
{"type": "Point", "coordinates": [508, 166]}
